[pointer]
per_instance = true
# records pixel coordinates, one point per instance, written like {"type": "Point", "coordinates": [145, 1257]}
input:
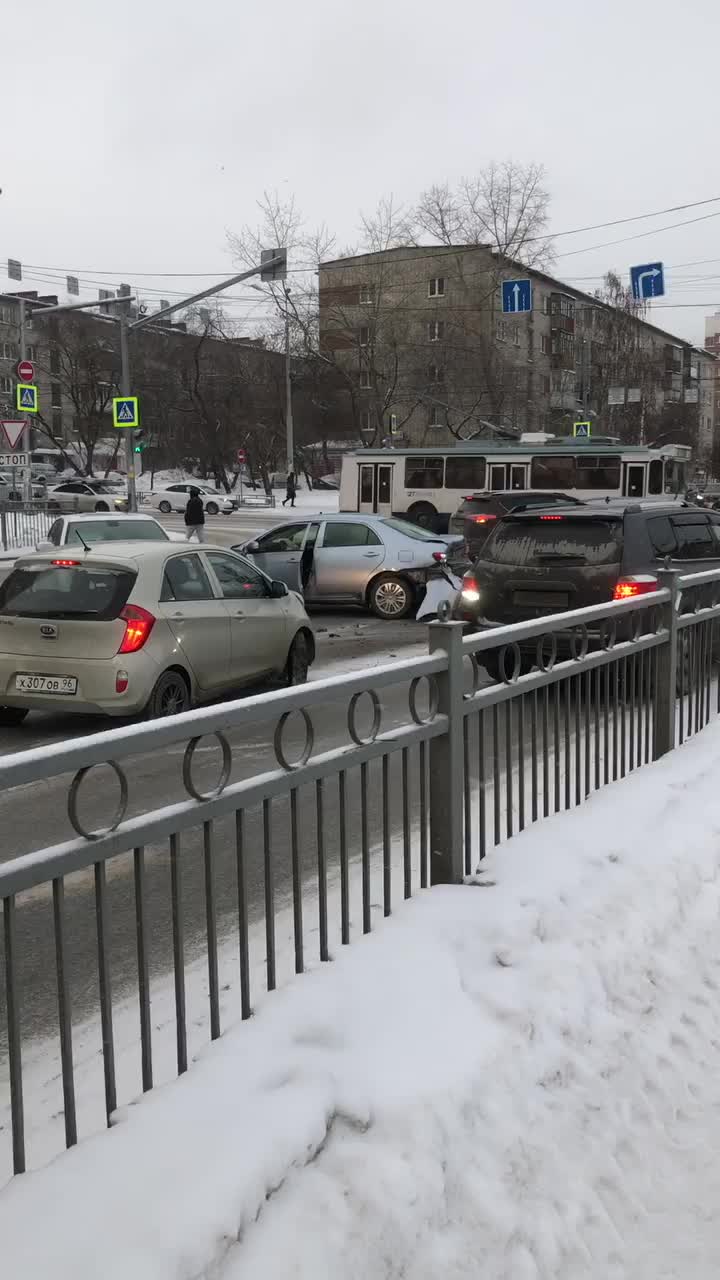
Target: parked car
{"type": "Point", "coordinates": [376, 561]}
{"type": "Point", "coordinates": [475, 518]}
{"type": "Point", "coordinates": [538, 562]}
{"type": "Point", "coordinates": [74, 530]}
{"type": "Point", "coordinates": [175, 498]}
{"type": "Point", "coordinates": [12, 488]}
{"type": "Point", "coordinates": [137, 627]}
{"type": "Point", "coordinates": [86, 495]}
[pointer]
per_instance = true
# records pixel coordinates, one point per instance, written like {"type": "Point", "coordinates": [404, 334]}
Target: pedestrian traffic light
{"type": "Point", "coordinates": [139, 442]}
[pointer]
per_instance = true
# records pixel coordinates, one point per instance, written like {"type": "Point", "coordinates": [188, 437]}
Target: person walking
{"type": "Point", "coordinates": [290, 490]}
{"type": "Point", "coordinates": [195, 516]}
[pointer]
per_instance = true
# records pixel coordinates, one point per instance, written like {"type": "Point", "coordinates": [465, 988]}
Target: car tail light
{"type": "Point", "coordinates": [628, 588]}
{"type": "Point", "coordinates": [470, 589]}
{"type": "Point", "coordinates": [122, 681]}
{"type": "Point", "coordinates": [66, 564]}
{"type": "Point", "coordinates": [552, 517]}
{"type": "Point", "coordinates": [138, 625]}
{"type": "Point", "coordinates": [483, 519]}
{"type": "Point", "coordinates": [439, 556]}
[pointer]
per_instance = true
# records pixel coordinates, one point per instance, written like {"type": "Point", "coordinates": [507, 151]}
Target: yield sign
{"type": "Point", "coordinates": [13, 432]}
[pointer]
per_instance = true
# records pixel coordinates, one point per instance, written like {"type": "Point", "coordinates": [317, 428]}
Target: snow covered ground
{"type": "Point", "coordinates": [512, 1080]}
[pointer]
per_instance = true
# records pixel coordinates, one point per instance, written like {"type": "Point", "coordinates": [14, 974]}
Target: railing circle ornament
{"type": "Point", "coordinates": [357, 737]}
{"type": "Point", "coordinates": [510, 650]}
{"type": "Point", "coordinates": [476, 675]}
{"type": "Point", "coordinates": [120, 810]}
{"type": "Point", "coordinates": [546, 661]}
{"type": "Point", "coordinates": [282, 758]}
{"type": "Point", "coordinates": [579, 642]}
{"type": "Point", "coordinates": [432, 699]}
{"type": "Point", "coordinates": [224, 778]}
{"type": "Point", "coordinates": [608, 634]}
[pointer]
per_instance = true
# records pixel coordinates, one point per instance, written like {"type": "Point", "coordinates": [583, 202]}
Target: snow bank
{"type": "Point", "coordinates": [507, 1081]}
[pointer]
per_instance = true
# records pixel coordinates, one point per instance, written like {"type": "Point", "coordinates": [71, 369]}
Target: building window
{"type": "Point", "coordinates": [516, 334]}
{"type": "Point", "coordinates": [364, 335]}
{"type": "Point", "coordinates": [7, 315]}
{"type": "Point", "coordinates": [365, 379]}
{"type": "Point", "coordinates": [501, 330]}
{"type": "Point", "coordinates": [57, 422]}
{"type": "Point", "coordinates": [32, 354]}
{"type": "Point", "coordinates": [393, 424]}
{"type": "Point", "coordinates": [367, 295]}
{"type": "Point", "coordinates": [436, 373]}
{"type": "Point", "coordinates": [365, 421]}
{"type": "Point", "coordinates": [436, 287]}
{"type": "Point", "coordinates": [436, 330]}
{"type": "Point", "coordinates": [8, 351]}
{"type": "Point", "coordinates": [546, 385]}
{"type": "Point", "coordinates": [55, 396]}
{"type": "Point", "coordinates": [6, 386]}
{"type": "Point", "coordinates": [435, 419]}
{"type": "Point", "coordinates": [545, 344]}
{"type": "Point", "coordinates": [546, 304]}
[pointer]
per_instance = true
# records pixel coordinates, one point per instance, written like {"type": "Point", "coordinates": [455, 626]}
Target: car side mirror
{"type": "Point", "coordinates": [250, 547]}
{"type": "Point", "coordinates": [278, 590]}
{"type": "Point", "coordinates": [44, 546]}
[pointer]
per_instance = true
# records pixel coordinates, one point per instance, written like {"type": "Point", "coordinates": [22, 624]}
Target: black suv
{"type": "Point", "coordinates": [537, 563]}
{"type": "Point", "coordinates": [475, 519]}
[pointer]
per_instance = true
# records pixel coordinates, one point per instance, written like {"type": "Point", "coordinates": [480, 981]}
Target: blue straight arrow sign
{"type": "Point", "coordinates": [516, 296]}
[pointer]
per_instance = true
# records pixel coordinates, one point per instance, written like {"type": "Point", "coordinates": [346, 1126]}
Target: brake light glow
{"type": "Point", "coordinates": [552, 517]}
{"type": "Point", "coordinates": [66, 564]}
{"type": "Point", "coordinates": [470, 589]}
{"type": "Point", "coordinates": [439, 556]}
{"type": "Point", "coordinates": [138, 625]}
{"type": "Point", "coordinates": [483, 519]}
{"type": "Point", "coordinates": [628, 588]}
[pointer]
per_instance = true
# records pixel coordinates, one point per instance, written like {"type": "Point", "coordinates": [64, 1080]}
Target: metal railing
{"type": "Point", "coordinates": [22, 524]}
{"type": "Point", "coordinates": [298, 842]}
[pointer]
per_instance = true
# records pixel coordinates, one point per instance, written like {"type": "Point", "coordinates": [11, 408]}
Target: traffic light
{"type": "Point", "coordinates": [139, 443]}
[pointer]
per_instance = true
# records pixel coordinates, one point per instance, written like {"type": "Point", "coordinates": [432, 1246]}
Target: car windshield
{"type": "Point", "coordinates": [99, 486]}
{"type": "Point", "coordinates": [65, 591]}
{"type": "Point", "coordinates": [553, 539]}
{"type": "Point", "coordinates": [411, 530]}
{"type": "Point", "coordinates": [88, 531]}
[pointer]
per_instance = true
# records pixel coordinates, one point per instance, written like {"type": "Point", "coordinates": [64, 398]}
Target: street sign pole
{"type": "Point", "coordinates": [27, 483]}
{"type": "Point", "coordinates": [125, 391]}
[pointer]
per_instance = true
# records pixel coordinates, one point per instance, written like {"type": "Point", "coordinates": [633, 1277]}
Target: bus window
{"type": "Point", "coordinates": [597, 473]}
{"type": "Point", "coordinates": [553, 473]}
{"type": "Point", "coordinates": [423, 473]}
{"type": "Point", "coordinates": [464, 473]}
{"type": "Point", "coordinates": [655, 482]}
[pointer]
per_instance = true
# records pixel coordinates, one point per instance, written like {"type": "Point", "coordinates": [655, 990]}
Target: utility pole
{"type": "Point", "coordinates": [27, 442]}
{"type": "Point", "coordinates": [289, 432]}
{"type": "Point", "coordinates": [125, 391]}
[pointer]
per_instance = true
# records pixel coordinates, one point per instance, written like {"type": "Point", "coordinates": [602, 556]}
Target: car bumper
{"type": "Point", "coordinates": [96, 687]}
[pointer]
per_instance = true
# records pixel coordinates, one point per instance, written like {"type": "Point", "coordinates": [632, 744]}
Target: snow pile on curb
{"type": "Point", "coordinates": [511, 1081]}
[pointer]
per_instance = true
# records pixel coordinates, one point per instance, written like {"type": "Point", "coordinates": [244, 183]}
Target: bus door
{"type": "Point", "coordinates": [497, 476]}
{"type": "Point", "coordinates": [633, 479]}
{"type": "Point", "coordinates": [375, 496]}
{"type": "Point", "coordinates": [517, 475]}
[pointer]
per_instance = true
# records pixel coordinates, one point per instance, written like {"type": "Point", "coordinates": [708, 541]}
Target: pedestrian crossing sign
{"type": "Point", "coordinates": [26, 397]}
{"type": "Point", "coordinates": [125, 411]}
{"type": "Point", "coordinates": [582, 430]}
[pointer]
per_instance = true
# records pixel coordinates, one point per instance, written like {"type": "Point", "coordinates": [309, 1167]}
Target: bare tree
{"type": "Point", "coordinates": [84, 364]}
{"type": "Point", "coordinates": [505, 206]}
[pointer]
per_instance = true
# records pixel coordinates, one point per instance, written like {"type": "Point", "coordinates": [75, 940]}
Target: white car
{"type": "Point", "coordinates": [175, 498]}
{"type": "Point", "coordinates": [86, 495]}
{"type": "Point", "coordinates": [131, 627]}
{"type": "Point", "coordinates": [77, 530]}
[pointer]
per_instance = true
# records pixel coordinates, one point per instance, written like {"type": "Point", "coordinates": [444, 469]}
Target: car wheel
{"type": "Point", "coordinates": [101, 506]}
{"type": "Point", "coordinates": [299, 659]}
{"type": "Point", "coordinates": [212, 509]}
{"type": "Point", "coordinates": [391, 598]}
{"type": "Point", "coordinates": [423, 513]}
{"type": "Point", "coordinates": [10, 716]}
{"type": "Point", "coordinates": [170, 696]}
{"type": "Point", "coordinates": [164, 507]}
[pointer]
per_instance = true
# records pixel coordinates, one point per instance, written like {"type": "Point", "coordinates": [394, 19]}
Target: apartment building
{"type": "Point", "coordinates": [427, 353]}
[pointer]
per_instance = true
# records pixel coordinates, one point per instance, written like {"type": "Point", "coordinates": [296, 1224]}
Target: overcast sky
{"type": "Point", "coordinates": [147, 129]}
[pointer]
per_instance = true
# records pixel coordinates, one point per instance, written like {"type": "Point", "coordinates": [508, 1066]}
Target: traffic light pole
{"type": "Point", "coordinates": [125, 390]}
{"type": "Point", "coordinates": [27, 439]}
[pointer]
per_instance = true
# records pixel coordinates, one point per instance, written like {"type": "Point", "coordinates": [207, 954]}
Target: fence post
{"type": "Point", "coordinates": [447, 763]}
{"type": "Point", "coordinates": [3, 529]}
{"type": "Point", "coordinates": [667, 668]}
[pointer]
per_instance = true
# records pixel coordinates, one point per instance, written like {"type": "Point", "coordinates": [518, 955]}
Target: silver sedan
{"type": "Point", "coordinates": [376, 561]}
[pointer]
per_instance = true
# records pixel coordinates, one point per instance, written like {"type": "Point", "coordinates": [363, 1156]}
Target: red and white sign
{"type": "Point", "coordinates": [13, 432]}
{"type": "Point", "coordinates": [25, 370]}
{"type": "Point", "coordinates": [241, 455]}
